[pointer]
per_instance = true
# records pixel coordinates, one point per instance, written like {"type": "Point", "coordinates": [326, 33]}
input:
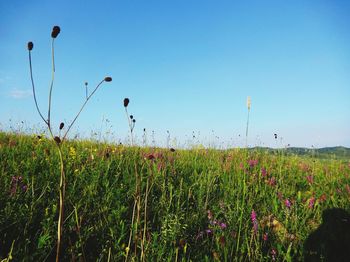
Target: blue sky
{"type": "Point", "coordinates": [187, 66]}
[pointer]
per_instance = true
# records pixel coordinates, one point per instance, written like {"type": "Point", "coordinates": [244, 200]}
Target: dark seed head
{"type": "Point", "coordinates": [30, 46]}
{"type": "Point", "coordinates": [57, 140]}
{"type": "Point", "coordinates": [61, 125]}
{"type": "Point", "coordinates": [55, 31]}
{"type": "Point", "coordinates": [131, 117]}
{"type": "Point", "coordinates": [134, 120]}
{"type": "Point", "coordinates": [39, 137]}
{"type": "Point", "coordinates": [126, 102]}
{"type": "Point", "coordinates": [275, 136]}
{"type": "Point", "coordinates": [144, 130]}
{"type": "Point", "coordinates": [108, 79]}
{"type": "Point", "coordinates": [172, 150]}
{"type": "Point", "coordinates": [86, 83]}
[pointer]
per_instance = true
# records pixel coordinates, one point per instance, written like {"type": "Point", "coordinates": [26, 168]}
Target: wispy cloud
{"type": "Point", "coordinates": [20, 94]}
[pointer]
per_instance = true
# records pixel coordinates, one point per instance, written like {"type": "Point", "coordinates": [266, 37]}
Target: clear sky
{"type": "Point", "coordinates": [187, 66]}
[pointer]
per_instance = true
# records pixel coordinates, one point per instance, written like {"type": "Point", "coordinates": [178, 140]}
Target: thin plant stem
{"type": "Point", "coordinates": [62, 190]}
{"type": "Point", "coordinates": [52, 80]}
{"type": "Point", "coordinates": [81, 109]}
{"type": "Point", "coordinates": [246, 131]}
{"type": "Point", "coordinates": [33, 86]}
{"type": "Point", "coordinates": [130, 126]}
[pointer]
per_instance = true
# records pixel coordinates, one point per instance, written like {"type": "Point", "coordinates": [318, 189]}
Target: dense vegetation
{"type": "Point", "coordinates": [161, 204]}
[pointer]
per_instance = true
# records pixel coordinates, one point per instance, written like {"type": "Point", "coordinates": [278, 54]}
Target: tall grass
{"type": "Point", "coordinates": [149, 204]}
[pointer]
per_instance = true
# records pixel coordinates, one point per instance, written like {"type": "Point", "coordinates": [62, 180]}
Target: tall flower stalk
{"type": "Point", "coordinates": [131, 120]}
{"type": "Point", "coordinates": [246, 131]}
{"type": "Point", "coordinates": [57, 140]}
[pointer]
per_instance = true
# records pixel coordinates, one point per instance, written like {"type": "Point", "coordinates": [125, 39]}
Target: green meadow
{"type": "Point", "coordinates": [152, 204]}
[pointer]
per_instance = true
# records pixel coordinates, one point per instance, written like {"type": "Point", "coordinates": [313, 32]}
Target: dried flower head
{"type": "Point", "coordinates": [61, 125]}
{"type": "Point", "coordinates": [30, 46]}
{"type": "Point", "coordinates": [108, 79]}
{"type": "Point", "coordinates": [248, 102]}
{"type": "Point", "coordinates": [57, 140]}
{"type": "Point", "coordinates": [172, 150]}
{"type": "Point", "coordinates": [275, 136]}
{"type": "Point", "coordinates": [55, 31]}
{"type": "Point", "coordinates": [134, 120]}
{"type": "Point", "coordinates": [86, 83]}
{"type": "Point", "coordinates": [131, 117]}
{"type": "Point", "coordinates": [126, 102]}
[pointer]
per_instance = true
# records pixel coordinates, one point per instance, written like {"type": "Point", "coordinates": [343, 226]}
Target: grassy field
{"type": "Point", "coordinates": [131, 203]}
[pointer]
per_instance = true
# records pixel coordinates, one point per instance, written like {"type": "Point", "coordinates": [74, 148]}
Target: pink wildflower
{"type": "Point", "coordinates": [254, 221]}
{"type": "Point", "coordinates": [311, 202]}
{"type": "Point", "coordinates": [287, 203]}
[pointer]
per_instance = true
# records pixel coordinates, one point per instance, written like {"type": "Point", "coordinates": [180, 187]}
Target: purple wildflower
{"type": "Point", "coordinates": [311, 202]}
{"type": "Point", "coordinates": [263, 172]}
{"type": "Point", "coordinates": [287, 203]}
{"type": "Point", "coordinates": [253, 162]}
{"type": "Point", "coordinates": [222, 225]}
{"type": "Point", "coordinates": [254, 221]}
{"type": "Point", "coordinates": [209, 231]}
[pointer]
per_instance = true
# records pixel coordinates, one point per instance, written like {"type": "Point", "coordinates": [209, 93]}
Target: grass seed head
{"type": "Point", "coordinates": [134, 120]}
{"type": "Point", "coordinates": [131, 117]}
{"type": "Point", "coordinates": [108, 79]}
{"type": "Point", "coordinates": [61, 125]}
{"type": "Point", "coordinates": [248, 102]}
{"type": "Point", "coordinates": [30, 46]}
{"type": "Point", "coordinates": [126, 102]}
{"type": "Point", "coordinates": [55, 31]}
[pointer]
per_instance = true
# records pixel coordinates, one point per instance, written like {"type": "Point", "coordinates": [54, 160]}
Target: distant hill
{"type": "Point", "coordinates": [338, 152]}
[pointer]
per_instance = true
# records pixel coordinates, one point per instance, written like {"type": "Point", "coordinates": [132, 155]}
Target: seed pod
{"type": "Point", "coordinates": [131, 117]}
{"type": "Point", "coordinates": [30, 46]}
{"type": "Point", "coordinates": [57, 140]}
{"type": "Point", "coordinates": [172, 150]}
{"type": "Point", "coordinates": [61, 125]}
{"type": "Point", "coordinates": [55, 31]}
{"type": "Point", "coordinates": [126, 102]}
{"type": "Point", "coordinates": [108, 79]}
{"type": "Point", "coordinates": [275, 136]}
{"type": "Point", "coordinates": [134, 120]}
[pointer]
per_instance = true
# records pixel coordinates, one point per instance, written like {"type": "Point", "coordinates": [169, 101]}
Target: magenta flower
{"type": "Point", "coordinates": [222, 225]}
{"type": "Point", "coordinates": [311, 202]}
{"type": "Point", "coordinates": [287, 203]}
{"type": "Point", "coordinates": [263, 172]}
{"type": "Point", "coordinates": [253, 162]}
{"type": "Point", "coordinates": [254, 221]}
